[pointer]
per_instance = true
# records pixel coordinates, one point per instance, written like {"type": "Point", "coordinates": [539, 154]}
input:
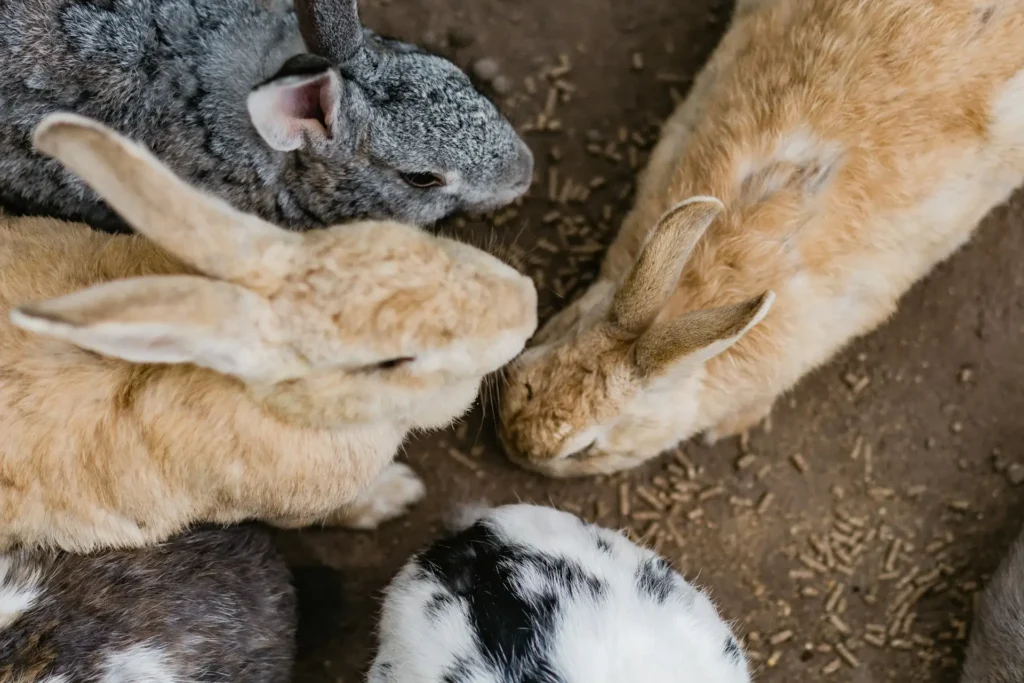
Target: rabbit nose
{"type": "Point", "coordinates": [521, 171]}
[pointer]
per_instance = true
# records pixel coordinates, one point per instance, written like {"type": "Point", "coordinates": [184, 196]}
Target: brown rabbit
{"type": "Point", "coordinates": [851, 145]}
{"type": "Point", "coordinates": [243, 371]}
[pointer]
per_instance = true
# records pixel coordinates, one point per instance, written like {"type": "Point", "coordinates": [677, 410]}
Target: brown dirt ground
{"type": "Point", "coordinates": [911, 437]}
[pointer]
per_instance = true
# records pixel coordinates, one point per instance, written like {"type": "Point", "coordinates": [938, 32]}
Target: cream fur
{"type": "Point", "coordinates": [221, 369]}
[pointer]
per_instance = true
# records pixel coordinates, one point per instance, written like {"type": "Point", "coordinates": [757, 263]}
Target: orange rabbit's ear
{"type": "Point", "coordinates": [656, 272]}
{"type": "Point", "coordinates": [699, 336]}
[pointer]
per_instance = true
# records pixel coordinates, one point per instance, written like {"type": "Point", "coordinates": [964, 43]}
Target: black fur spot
{"type": "Point", "coordinates": [656, 579]}
{"type": "Point", "coordinates": [604, 546]}
{"type": "Point", "coordinates": [514, 631]}
{"type": "Point", "coordinates": [732, 650]}
{"type": "Point", "coordinates": [459, 673]}
{"type": "Point", "coordinates": [439, 602]}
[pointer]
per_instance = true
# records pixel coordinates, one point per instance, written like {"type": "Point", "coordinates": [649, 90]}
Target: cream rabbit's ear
{"type": "Point", "coordinates": [169, 319]}
{"type": "Point", "coordinates": [204, 231]}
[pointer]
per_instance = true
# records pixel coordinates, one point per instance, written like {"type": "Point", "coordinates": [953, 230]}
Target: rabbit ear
{"type": "Point", "coordinates": [656, 273]}
{"type": "Point", "coordinates": [204, 231]}
{"type": "Point", "coordinates": [331, 28]}
{"type": "Point", "coordinates": [169, 319]}
{"type": "Point", "coordinates": [699, 336]}
{"type": "Point", "coordinates": [300, 103]}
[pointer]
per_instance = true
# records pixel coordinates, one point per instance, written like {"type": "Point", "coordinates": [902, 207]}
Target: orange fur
{"type": "Point", "coordinates": [261, 396]}
{"type": "Point", "coordinates": [855, 144]}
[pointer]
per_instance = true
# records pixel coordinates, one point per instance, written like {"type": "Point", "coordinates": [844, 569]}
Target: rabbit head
{"type": "Point", "coordinates": [590, 387]}
{"type": "Point", "coordinates": [530, 593]}
{"type": "Point", "coordinates": [403, 133]}
{"type": "Point", "coordinates": [354, 323]}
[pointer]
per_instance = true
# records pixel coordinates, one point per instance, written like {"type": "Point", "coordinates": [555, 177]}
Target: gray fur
{"type": "Point", "coordinates": [996, 650]}
{"type": "Point", "coordinates": [211, 605]}
{"type": "Point", "coordinates": [177, 75]}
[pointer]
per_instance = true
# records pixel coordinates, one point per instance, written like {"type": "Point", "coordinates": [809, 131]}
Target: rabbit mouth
{"type": "Point", "coordinates": [482, 207]}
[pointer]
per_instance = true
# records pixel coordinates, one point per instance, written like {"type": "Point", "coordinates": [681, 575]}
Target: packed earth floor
{"type": "Point", "coordinates": [847, 540]}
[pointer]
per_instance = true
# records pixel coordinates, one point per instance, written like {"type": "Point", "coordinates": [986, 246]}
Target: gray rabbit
{"type": "Point", "coordinates": [296, 113]}
{"type": "Point", "coordinates": [210, 605]}
{"type": "Point", "coordinates": [996, 650]}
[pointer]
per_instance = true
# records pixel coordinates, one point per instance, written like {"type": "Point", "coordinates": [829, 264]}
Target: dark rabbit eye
{"type": "Point", "coordinates": [394, 363]}
{"type": "Point", "coordinates": [423, 180]}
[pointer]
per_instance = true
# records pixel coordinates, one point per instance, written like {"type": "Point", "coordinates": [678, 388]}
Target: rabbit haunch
{"type": "Point", "coordinates": [996, 650]}
{"type": "Point", "coordinates": [849, 146]}
{"type": "Point", "coordinates": [210, 600]}
{"type": "Point", "coordinates": [301, 117]}
{"type": "Point", "coordinates": [242, 371]}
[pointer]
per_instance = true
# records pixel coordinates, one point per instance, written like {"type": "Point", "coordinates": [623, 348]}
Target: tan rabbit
{"type": "Point", "coordinates": [266, 374]}
{"type": "Point", "coordinates": [853, 145]}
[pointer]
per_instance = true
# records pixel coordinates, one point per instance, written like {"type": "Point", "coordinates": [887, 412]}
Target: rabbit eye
{"type": "Point", "coordinates": [423, 180]}
{"type": "Point", "coordinates": [529, 392]}
{"type": "Point", "coordinates": [394, 363]}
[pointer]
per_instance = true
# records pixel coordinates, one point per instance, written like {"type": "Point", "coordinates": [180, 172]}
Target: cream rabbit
{"type": "Point", "coordinates": [850, 146]}
{"type": "Point", "coordinates": [266, 374]}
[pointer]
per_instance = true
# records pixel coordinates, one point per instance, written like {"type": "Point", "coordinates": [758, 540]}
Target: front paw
{"type": "Point", "coordinates": [736, 424]}
{"type": "Point", "coordinates": [391, 495]}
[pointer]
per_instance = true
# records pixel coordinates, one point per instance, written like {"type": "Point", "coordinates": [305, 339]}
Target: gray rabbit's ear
{"type": "Point", "coordinates": [297, 105]}
{"type": "Point", "coordinates": [331, 28]}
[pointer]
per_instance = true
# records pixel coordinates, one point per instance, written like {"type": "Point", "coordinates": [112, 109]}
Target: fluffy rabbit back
{"type": "Point", "coordinates": [242, 371]}
{"type": "Point", "coordinates": [848, 146]}
{"type": "Point", "coordinates": [304, 120]}
{"type": "Point", "coordinates": [531, 593]}
{"type": "Point", "coordinates": [210, 603]}
{"type": "Point", "coordinates": [996, 650]}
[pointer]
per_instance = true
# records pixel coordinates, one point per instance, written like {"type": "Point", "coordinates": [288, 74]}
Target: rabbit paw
{"type": "Point", "coordinates": [391, 495]}
{"type": "Point", "coordinates": [739, 422]}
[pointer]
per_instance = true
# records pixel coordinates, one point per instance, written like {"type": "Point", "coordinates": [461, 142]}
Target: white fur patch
{"type": "Point", "coordinates": [142, 663]}
{"type": "Point", "coordinates": [17, 594]}
{"type": "Point", "coordinates": [1007, 123]}
{"type": "Point", "coordinates": [799, 146]}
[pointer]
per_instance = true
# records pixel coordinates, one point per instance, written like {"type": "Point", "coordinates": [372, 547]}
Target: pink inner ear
{"type": "Point", "coordinates": [309, 101]}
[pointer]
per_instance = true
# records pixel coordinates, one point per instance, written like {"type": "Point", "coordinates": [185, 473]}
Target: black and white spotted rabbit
{"type": "Point", "coordinates": [296, 113]}
{"type": "Point", "coordinates": [531, 594]}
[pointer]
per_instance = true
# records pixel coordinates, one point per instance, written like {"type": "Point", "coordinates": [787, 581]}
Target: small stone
{"type": "Point", "coordinates": [966, 374]}
{"type": "Point", "coordinates": [486, 69]}
{"type": "Point", "coordinates": [956, 427]}
{"type": "Point", "coordinates": [502, 85]}
{"type": "Point", "coordinates": [460, 36]}
{"type": "Point", "coordinates": [1015, 474]}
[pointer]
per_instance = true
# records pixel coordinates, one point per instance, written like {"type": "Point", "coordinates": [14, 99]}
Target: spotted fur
{"type": "Point", "coordinates": [531, 594]}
